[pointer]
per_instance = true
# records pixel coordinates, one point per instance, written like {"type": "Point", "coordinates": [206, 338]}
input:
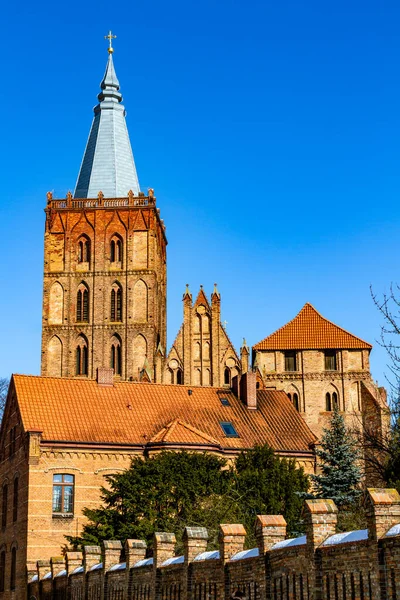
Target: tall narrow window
{"type": "Point", "coordinates": [116, 249]}
{"type": "Point", "coordinates": [290, 361]}
{"type": "Point", "coordinates": [328, 402]}
{"type": "Point", "coordinates": [63, 494]}
{"type": "Point", "coordinates": [13, 568]}
{"type": "Point", "coordinates": [179, 377]}
{"type": "Point", "coordinates": [2, 569]}
{"type": "Point", "coordinates": [82, 304]}
{"type": "Point", "coordinates": [227, 376]}
{"type": "Point", "coordinates": [15, 499]}
{"type": "Point", "coordinates": [82, 356]}
{"type": "Point", "coordinates": [330, 360]}
{"type": "Point", "coordinates": [116, 355]}
{"type": "Point", "coordinates": [83, 250]}
{"type": "Point", "coordinates": [4, 506]}
{"type": "Point", "coordinates": [335, 401]}
{"type": "Point", "coordinates": [116, 303]}
{"type": "Point", "coordinates": [296, 401]}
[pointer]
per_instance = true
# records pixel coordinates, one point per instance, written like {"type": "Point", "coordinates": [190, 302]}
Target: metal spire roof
{"type": "Point", "coordinates": [108, 165]}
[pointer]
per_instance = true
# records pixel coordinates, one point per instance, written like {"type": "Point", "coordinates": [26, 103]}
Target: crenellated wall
{"type": "Point", "coordinates": [321, 564]}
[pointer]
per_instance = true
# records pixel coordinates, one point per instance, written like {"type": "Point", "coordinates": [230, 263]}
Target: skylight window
{"type": "Point", "coordinates": [229, 430]}
{"type": "Point", "coordinates": [225, 402]}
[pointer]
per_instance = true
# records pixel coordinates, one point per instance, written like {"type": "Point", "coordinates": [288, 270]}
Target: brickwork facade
{"type": "Point", "coordinates": [320, 565]}
{"type": "Point", "coordinates": [104, 295]}
{"type": "Point", "coordinates": [202, 353]}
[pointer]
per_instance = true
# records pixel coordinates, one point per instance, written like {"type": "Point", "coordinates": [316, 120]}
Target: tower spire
{"type": "Point", "coordinates": [108, 163]}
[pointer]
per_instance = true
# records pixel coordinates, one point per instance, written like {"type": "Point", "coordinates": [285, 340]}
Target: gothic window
{"type": "Point", "coordinates": [83, 249]}
{"type": "Point", "coordinates": [330, 360]}
{"type": "Point", "coordinates": [179, 377]}
{"type": "Point", "coordinates": [63, 494]}
{"type": "Point", "coordinates": [296, 401]}
{"type": "Point", "coordinates": [13, 568]}
{"type": "Point", "coordinates": [206, 351]}
{"type": "Point", "coordinates": [2, 569]}
{"type": "Point", "coordinates": [116, 355]}
{"type": "Point", "coordinates": [328, 402]}
{"type": "Point", "coordinates": [334, 401]}
{"type": "Point", "coordinates": [227, 376]}
{"type": "Point", "coordinates": [82, 356]}
{"type": "Point", "coordinates": [82, 304]}
{"type": "Point", "coordinates": [116, 249]}
{"type": "Point", "coordinates": [15, 499]}
{"type": "Point", "coordinates": [4, 506]}
{"type": "Point", "coordinates": [290, 361]}
{"type": "Point", "coordinates": [116, 302]}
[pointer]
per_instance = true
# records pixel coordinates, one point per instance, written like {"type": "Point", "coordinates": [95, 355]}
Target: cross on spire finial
{"type": "Point", "coordinates": [110, 37]}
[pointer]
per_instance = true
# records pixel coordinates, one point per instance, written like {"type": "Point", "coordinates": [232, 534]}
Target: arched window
{"type": "Point", "coordinates": [63, 494]}
{"type": "Point", "coordinates": [2, 569]}
{"type": "Point", "coordinates": [116, 355]}
{"type": "Point", "coordinates": [227, 376]}
{"type": "Point", "coordinates": [116, 249]}
{"type": "Point", "coordinates": [83, 249]}
{"type": "Point", "coordinates": [290, 396]}
{"type": "Point", "coordinates": [15, 499]}
{"type": "Point", "coordinates": [328, 402]}
{"type": "Point", "coordinates": [335, 401]}
{"type": "Point", "coordinates": [82, 356]}
{"type": "Point", "coordinates": [296, 401]}
{"type": "Point", "coordinates": [116, 302]}
{"type": "Point", "coordinates": [4, 506]}
{"type": "Point", "coordinates": [179, 377]}
{"type": "Point", "coordinates": [13, 572]}
{"type": "Point", "coordinates": [82, 304]}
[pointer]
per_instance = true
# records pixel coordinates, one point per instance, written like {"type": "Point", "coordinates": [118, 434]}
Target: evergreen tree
{"type": "Point", "coordinates": [269, 485]}
{"type": "Point", "coordinates": [340, 474]}
{"type": "Point", "coordinates": [176, 489]}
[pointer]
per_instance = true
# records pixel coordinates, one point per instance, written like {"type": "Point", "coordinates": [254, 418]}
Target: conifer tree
{"type": "Point", "coordinates": [340, 473]}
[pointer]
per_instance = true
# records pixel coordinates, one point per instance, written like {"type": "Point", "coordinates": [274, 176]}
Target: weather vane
{"type": "Point", "coordinates": [110, 37]}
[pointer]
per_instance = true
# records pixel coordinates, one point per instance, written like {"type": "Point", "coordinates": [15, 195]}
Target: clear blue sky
{"type": "Point", "coordinates": [269, 130]}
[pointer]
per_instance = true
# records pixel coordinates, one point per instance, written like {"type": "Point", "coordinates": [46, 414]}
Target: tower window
{"type": "Point", "coordinates": [227, 376]}
{"type": "Point", "coordinates": [290, 361]}
{"type": "Point", "coordinates": [13, 568]}
{"type": "Point", "coordinates": [229, 430]}
{"type": "Point", "coordinates": [83, 250]}
{"type": "Point", "coordinates": [296, 401]}
{"type": "Point", "coordinates": [116, 303]}
{"type": "Point", "coordinates": [4, 506]}
{"type": "Point", "coordinates": [330, 360]}
{"type": "Point", "coordinates": [2, 570]}
{"type": "Point", "coordinates": [179, 377]}
{"type": "Point", "coordinates": [15, 499]}
{"type": "Point", "coordinates": [82, 356]}
{"type": "Point", "coordinates": [328, 402]}
{"type": "Point", "coordinates": [334, 401]}
{"type": "Point", "coordinates": [116, 355]}
{"type": "Point", "coordinates": [82, 304]}
{"type": "Point", "coordinates": [63, 494]}
{"type": "Point", "coordinates": [115, 249]}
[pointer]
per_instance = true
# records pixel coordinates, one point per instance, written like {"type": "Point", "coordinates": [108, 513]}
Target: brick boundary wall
{"type": "Point", "coordinates": [360, 565]}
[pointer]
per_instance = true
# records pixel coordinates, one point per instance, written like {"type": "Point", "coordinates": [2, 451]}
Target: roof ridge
{"type": "Point", "coordinates": [309, 308]}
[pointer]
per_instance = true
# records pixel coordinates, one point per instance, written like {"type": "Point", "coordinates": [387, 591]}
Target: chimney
{"type": "Point", "coordinates": [105, 376]}
{"type": "Point", "coordinates": [248, 389]}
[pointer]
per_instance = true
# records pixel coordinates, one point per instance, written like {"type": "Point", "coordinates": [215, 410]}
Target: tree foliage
{"type": "Point", "coordinates": [175, 489]}
{"type": "Point", "coordinates": [340, 475]}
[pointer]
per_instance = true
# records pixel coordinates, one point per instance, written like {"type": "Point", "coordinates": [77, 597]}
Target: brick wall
{"type": "Point", "coordinates": [320, 565]}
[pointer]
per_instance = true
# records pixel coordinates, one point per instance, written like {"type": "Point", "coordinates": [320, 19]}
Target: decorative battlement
{"type": "Point", "coordinates": [318, 565]}
{"type": "Point", "coordinates": [71, 203]}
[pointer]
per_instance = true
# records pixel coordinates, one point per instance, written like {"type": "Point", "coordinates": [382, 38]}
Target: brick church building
{"type": "Point", "coordinates": [108, 388]}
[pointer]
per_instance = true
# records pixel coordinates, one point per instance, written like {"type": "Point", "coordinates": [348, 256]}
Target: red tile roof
{"type": "Point", "coordinates": [132, 413]}
{"type": "Point", "coordinates": [310, 331]}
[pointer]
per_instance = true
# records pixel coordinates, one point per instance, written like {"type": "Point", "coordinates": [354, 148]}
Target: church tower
{"type": "Point", "coordinates": [104, 297]}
